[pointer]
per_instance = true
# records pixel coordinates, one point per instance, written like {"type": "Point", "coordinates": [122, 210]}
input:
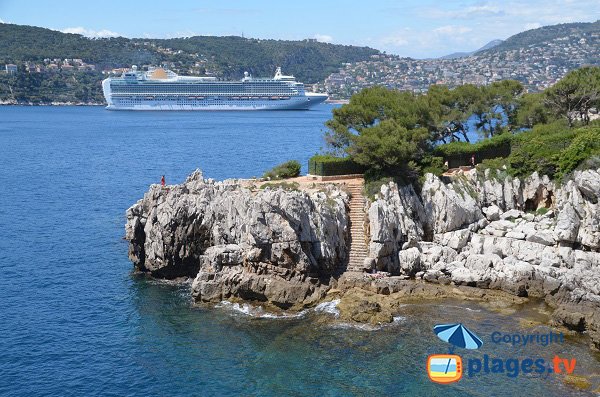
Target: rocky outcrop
{"type": "Point", "coordinates": [271, 245]}
{"type": "Point", "coordinates": [528, 237]}
{"type": "Point", "coordinates": [476, 231]}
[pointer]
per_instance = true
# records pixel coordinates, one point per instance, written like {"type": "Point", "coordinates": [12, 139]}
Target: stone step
{"type": "Point", "coordinates": [358, 246]}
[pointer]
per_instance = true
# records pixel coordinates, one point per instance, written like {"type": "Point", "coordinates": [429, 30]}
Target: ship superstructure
{"type": "Point", "coordinates": [161, 89]}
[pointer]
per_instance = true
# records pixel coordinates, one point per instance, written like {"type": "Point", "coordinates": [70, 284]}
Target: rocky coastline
{"type": "Point", "coordinates": [475, 235]}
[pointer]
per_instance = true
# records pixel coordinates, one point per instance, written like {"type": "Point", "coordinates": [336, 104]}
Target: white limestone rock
{"type": "Point", "coordinates": [492, 213]}
{"type": "Point", "coordinates": [449, 207]}
{"type": "Point", "coordinates": [542, 237]}
{"type": "Point", "coordinates": [455, 240]}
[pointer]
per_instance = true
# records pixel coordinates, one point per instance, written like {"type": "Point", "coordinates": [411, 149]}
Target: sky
{"type": "Point", "coordinates": [415, 28]}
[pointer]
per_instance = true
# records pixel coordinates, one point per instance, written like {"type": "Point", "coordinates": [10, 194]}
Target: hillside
{"type": "Point", "coordinates": [537, 58]}
{"type": "Point", "coordinates": [309, 61]}
{"type": "Point", "coordinates": [546, 34]}
{"type": "Point", "coordinates": [454, 55]}
{"type": "Point", "coordinates": [229, 57]}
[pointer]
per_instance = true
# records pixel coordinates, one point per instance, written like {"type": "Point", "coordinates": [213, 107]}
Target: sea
{"type": "Point", "coordinates": [75, 320]}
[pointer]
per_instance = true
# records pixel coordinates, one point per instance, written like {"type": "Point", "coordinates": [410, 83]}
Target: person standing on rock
{"type": "Point", "coordinates": [473, 160]}
{"type": "Point", "coordinates": [162, 180]}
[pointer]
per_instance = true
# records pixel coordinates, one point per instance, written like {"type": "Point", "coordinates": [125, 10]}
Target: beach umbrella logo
{"type": "Point", "coordinates": [458, 336]}
{"type": "Point", "coordinates": [448, 368]}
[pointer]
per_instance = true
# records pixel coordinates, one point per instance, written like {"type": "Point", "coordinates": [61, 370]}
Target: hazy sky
{"type": "Point", "coordinates": [416, 28]}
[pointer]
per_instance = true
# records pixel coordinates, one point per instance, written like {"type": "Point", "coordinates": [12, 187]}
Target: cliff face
{"type": "Point", "coordinates": [274, 246]}
{"type": "Point", "coordinates": [526, 237]}
{"type": "Point", "coordinates": [530, 238]}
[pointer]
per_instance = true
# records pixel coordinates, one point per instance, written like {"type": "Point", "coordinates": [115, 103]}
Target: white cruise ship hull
{"type": "Point", "coordinates": [293, 103]}
{"type": "Point", "coordinates": [164, 90]}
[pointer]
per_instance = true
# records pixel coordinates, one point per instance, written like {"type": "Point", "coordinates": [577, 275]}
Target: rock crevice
{"type": "Point", "coordinates": [528, 237]}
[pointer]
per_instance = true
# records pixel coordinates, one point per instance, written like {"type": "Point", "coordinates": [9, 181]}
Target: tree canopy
{"type": "Point", "coordinates": [391, 132]}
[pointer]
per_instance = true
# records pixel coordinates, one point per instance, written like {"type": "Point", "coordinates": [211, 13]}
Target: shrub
{"type": "Point", "coordinates": [459, 153]}
{"type": "Point", "coordinates": [326, 165]}
{"type": "Point", "coordinates": [542, 210]}
{"type": "Point", "coordinates": [289, 169]}
{"type": "Point", "coordinates": [433, 165]}
{"type": "Point", "coordinates": [539, 150]}
{"type": "Point", "coordinates": [373, 187]}
{"type": "Point", "coordinates": [281, 185]}
{"type": "Point", "coordinates": [585, 145]}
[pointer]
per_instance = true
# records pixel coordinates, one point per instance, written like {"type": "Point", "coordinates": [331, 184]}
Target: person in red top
{"type": "Point", "coordinates": [473, 160]}
{"type": "Point", "coordinates": [162, 181]}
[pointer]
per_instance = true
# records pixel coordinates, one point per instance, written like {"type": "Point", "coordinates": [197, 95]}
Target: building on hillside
{"type": "Point", "coordinates": [11, 68]}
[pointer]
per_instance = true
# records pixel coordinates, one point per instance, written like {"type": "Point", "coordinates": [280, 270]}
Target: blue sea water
{"type": "Point", "coordinates": [74, 320]}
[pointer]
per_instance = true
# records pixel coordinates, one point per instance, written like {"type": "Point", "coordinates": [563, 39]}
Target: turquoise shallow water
{"type": "Point", "coordinates": [75, 321]}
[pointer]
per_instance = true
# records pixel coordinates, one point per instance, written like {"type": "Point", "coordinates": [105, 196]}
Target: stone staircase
{"type": "Point", "coordinates": [358, 246]}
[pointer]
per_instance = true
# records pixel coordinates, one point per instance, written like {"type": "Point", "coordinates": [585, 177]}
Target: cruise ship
{"type": "Point", "coordinates": [162, 89]}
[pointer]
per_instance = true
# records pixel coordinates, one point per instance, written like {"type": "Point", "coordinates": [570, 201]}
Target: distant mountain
{"type": "Point", "coordinates": [489, 45]}
{"type": "Point", "coordinates": [537, 58]}
{"type": "Point", "coordinates": [455, 55]}
{"type": "Point", "coordinates": [565, 32]}
{"type": "Point", "coordinates": [309, 60]}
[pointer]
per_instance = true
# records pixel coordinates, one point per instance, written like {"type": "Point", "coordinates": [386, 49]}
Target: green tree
{"type": "Point", "coordinates": [532, 111]}
{"type": "Point", "coordinates": [389, 146]}
{"type": "Point", "coordinates": [506, 96]}
{"type": "Point", "coordinates": [369, 107]}
{"type": "Point", "coordinates": [575, 95]}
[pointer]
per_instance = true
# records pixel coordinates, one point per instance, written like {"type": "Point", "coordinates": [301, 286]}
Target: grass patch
{"type": "Point", "coordinates": [289, 186]}
{"type": "Point", "coordinates": [542, 211]}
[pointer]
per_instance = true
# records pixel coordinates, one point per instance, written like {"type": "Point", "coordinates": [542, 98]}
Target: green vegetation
{"type": "Point", "coordinates": [542, 210]}
{"type": "Point", "coordinates": [543, 34]}
{"type": "Point", "coordinates": [400, 136]}
{"type": "Point", "coordinates": [289, 169]}
{"type": "Point", "coordinates": [460, 153]}
{"type": "Point", "coordinates": [373, 186]}
{"type": "Point", "coordinates": [52, 86]}
{"type": "Point", "coordinates": [585, 146]}
{"type": "Point", "coordinates": [550, 149]}
{"type": "Point", "coordinates": [309, 61]}
{"type": "Point", "coordinates": [289, 186]}
{"type": "Point", "coordinates": [226, 57]}
{"type": "Point", "coordinates": [575, 95]}
{"type": "Point", "coordinates": [327, 165]}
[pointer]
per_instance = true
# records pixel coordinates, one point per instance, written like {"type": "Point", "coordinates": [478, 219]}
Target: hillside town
{"type": "Point", "coordinates": [48, 64]}
{"type": "Point", "coordinates": [537, 67]}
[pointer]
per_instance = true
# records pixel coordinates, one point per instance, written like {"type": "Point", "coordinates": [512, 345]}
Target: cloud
{"type": "Point", "coordinates": [465, 12]}
{"type": "Point", "coordinates": [468, 24]}
{"type": "Point", "coordinates": [532, 25]}
{"type": "Point", "coordinates": [323, 38]}
{"type": "Point", "coordinates": [394, 41]}
{"type": "Point", "coordinates": [482, 10]}
{"type": "Point", "coordinates": [449, 30]}
{"type": "Point", "coordinates": [91, 33]}
{"type": "Point", "coordinates": [183, 33]}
